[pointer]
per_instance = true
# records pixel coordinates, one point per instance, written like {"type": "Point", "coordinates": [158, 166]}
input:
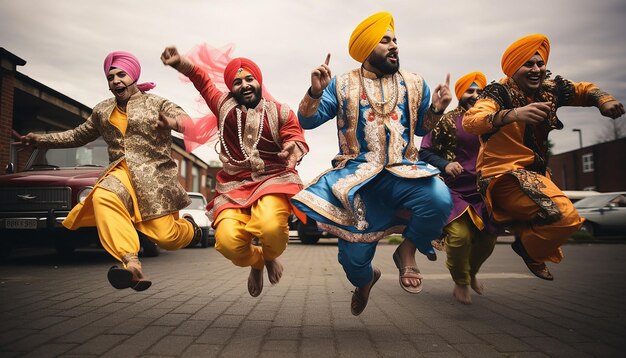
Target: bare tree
{"type": "Point", "coordinates": [611, 130]}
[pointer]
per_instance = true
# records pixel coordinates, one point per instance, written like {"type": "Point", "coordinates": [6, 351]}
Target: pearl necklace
{"type": "Point", "coordinates": [240, 131]}
{"type": "Point", "coordinates": [382, 104]}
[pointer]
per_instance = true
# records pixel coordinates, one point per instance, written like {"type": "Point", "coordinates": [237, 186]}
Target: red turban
{"type": "Point", "coordinates": [231, 70]}
{"type": "Point", "coordinates": [463, 83]}
{"type": "Point", "coordinates": [522, 50]}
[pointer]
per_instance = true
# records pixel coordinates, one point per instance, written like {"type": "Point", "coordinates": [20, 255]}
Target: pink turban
{"type": "Point", "coordinates": [127, 62]}
{"type": "Point", "coordinates": [522, 50]}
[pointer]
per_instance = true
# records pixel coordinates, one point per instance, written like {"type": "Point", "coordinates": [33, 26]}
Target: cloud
{"type": "Point", "coordinates": [65, 41]}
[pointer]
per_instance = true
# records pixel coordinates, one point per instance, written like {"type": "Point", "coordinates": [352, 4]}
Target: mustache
{"type": "Point", "coordinates": [125, 86]}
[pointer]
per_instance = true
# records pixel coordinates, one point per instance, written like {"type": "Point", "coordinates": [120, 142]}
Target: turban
{"type": "Point", "coordinates": [128, 63]}
{"type": "Point", "coordinates": [463, 83]}
{"type": "Point", "coordinates": [522, 50]}
{"type": "Point", "coordinates": [368, 34]}
{"type": "Point", "coordinates": [231, 70]}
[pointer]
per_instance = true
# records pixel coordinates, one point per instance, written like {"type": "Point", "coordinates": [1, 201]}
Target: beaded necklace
{"type": "Point", "coordinates": [382, 104]}
{"type": "Point", "coordinates": [240, 130]}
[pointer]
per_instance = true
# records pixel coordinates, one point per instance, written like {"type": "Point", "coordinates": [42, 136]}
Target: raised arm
{"type": "Point", "coordinates": [320, 102]}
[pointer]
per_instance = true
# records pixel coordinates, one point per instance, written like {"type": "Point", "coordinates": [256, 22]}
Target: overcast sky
{"type": "Point", "coordinates": [64, 43]}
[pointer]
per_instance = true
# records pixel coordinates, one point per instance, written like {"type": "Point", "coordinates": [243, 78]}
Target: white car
{"type": "Point", "coordinates": [197, 210]}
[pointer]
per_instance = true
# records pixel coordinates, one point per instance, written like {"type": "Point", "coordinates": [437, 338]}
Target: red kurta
{"type": "Point", "coordinates": [242, 181]}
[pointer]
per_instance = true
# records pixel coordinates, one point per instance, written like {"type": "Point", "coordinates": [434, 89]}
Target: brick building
{"type": "Point", "coordinates": [27, 105]}
{"type": "Point", "coordinates": [598, 167]}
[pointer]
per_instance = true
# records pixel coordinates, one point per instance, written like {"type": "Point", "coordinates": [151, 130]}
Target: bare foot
{"type": "Point", "coordinates": [477, 285]}
{"type": "Point", "coordinates": [255, 282]}
{"type": "Point", "coordinates": [274, 271]}
{"type": "Point", "coordinates": [462, 294]}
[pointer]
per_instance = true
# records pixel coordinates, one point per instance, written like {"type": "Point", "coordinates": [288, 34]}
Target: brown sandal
{"type": "Point", "coordinates": [538, 269]}
{"type": "Point", "coordinates": [359, 302]}
{"type": "Point", "coordinates": [404, 271]}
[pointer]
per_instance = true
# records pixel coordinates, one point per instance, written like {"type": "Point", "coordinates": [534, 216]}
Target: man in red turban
{"type": "Point", "coordinates": [139, 191]}
{"type": "Point", "coordinates": [513, 118]}
{"type": "Point", "coordinates": [469, 237]}
{"type": "Point", "coordinates": [260, 144]}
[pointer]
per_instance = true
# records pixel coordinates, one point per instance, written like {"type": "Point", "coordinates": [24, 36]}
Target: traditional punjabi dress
{"type": "Point", "coordinates": [139, 190]}
{"type": "Point", "coordinates": [377, 185]}
{"type": "Point", "coordinates": [469, 236]}
{"type": "Point", "coordinates": [254, 186]}
{"type": "Point", "coordinates": [512, 162]}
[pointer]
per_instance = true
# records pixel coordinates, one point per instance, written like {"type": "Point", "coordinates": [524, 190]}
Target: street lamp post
{"type": "Point", "coordinates": [580, 136]}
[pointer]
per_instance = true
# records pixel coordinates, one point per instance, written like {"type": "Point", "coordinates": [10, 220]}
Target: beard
{"type": "Point", "coordinates": [380, 63]}
{"type": "Point", "coordinates": [249, 103]}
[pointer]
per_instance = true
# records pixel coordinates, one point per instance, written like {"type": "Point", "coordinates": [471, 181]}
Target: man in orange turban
{"type": "Point", "coordinates": [513, 119]}
{"type": "Point", "coordinates": [261, 142]}
{"type": "Point", "coordinates": [377, 184]}
{"type": "Point", "coordinates": [469, 237]}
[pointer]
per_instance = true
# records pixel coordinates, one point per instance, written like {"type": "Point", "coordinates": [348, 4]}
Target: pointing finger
{"type": "Point", "coordinates": [327, 59]}
{"type": "Point", "coordinates": [448, 80]}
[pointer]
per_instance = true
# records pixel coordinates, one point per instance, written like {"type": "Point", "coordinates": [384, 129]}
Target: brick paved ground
{"type": "Point", "coordinates": [198, 306]}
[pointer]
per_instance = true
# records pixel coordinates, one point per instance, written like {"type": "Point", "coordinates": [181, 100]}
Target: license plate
{"type": "Point", "coordinates": [28, 224]}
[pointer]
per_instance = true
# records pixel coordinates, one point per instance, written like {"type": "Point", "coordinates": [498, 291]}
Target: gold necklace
{"type": "Point", "coordinates": [382, 104]}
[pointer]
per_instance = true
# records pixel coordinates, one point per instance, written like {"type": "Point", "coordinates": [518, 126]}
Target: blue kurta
{"type": "Point", "coordinates": [374, 140]}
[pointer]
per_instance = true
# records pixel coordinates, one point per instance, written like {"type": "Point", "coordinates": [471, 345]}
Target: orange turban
{"type": "Point", "coordinates": [368, 34]}
{"type": "Point", "coordinates": [231, 70]}
{"type": "Point", "coordinates": [463, 83]}
{"type": "Point", "coordinates": [522, 50]}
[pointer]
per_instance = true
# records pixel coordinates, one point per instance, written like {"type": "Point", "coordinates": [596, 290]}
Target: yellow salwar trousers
{"type": "Point", "coordinates": [266, 219]}
{"type": "Point", "coordinates": [541, 241]}
{"type": "Point", "coordinates": [117, 227]}
{"type": "Point", "coordinates": [467, 248]}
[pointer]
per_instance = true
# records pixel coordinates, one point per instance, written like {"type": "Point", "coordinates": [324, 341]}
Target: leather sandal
{"type": "Point", "coordinates": [407, 272]}
{"type": "Point", "coordinates": [359, 302]}
{"type": "Point", "coordinates": [129, 277]}
{"type": "Point", "coordinates": [538, 269]}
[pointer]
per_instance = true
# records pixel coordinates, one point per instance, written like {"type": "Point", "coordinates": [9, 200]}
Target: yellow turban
{"type": "Point", "coordinates": [463, 83]}
{"type": "Point", "coordinates": [522, 50]}
{"type": "Point", "coordinates": [368, 34]}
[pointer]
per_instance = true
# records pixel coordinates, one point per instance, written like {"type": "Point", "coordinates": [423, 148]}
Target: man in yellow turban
{"type": "Point", "coordinates": [377, 185]}
{"type": "Point", "coordinates": [513, 119]}
{"type": "Point", "coordinates": [470, 236]}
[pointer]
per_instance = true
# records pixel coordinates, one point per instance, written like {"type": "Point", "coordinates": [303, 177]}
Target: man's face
{"type": "Point", "coordinates": [530, 76]}
{"type": "Point", "coordinates": [384, 57]}
{"type": "Point", "coordinates": [246, 90]}
{"type": "Point", "coordinates": [469, 97]}
{"type": "Point", "coordinates": [121, 85]}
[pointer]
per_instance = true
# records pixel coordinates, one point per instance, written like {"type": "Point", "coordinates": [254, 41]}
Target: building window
{"type": "Point", "coordinates": [210, 182]}
{"type": "Point", "coordinates": [195, 179]}
{"type": "Point", "coordinates": [183, 168]}
{"type": "Point", "coordinates": [587, 163]}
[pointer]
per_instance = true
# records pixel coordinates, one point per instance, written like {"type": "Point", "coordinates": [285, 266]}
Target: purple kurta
{"type": "Point", "coordinates": [462, 187]}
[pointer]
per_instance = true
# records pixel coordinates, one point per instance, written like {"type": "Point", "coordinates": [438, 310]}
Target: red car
{"type": "Point", "coordinates": [34, 202]}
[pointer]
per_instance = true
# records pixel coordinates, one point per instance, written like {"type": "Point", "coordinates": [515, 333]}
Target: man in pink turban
{"type": "Point", "coordinates": [469, 237]}
{"type": "Point", "coordinates": [139, 190]}
{"type": "Point", "coordinates": [513, 119]}
{"type": "Point", "coordinates": [260, 144]}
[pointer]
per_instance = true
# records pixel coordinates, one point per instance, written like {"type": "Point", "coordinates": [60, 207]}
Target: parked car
{"type": "Point", "coordinates": [34, 202]}
{"type": "Point", "coordinates": [309, 233]}
{"type": "Point", "coordinates": [604, 213]}
{"type": "Point", "coordinates": [575, 195]}
{"type": "Point", "coordinates": [197, 210]}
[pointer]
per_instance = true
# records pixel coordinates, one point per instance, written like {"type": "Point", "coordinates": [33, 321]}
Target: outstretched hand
{"type": "Point", "coordinates": [320, 78]}
{"type": "Point", "coordinates": [171, 57]}
{"type": "Point", "coordinates": [442, 96]}
{"type": "Point", "coordinates": [292, 153]}
{"type": "Point", "coordinates": [24, 140]}
{"type": "Point", "coordinates": [612, 109]}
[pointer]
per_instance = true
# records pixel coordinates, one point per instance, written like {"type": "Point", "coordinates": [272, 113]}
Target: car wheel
{"type": "Point", "coordinates": [305, 238]}
{"type": "Point", "coordinates": [204, 242]}
{"type": "Point", "coordinates": [148, 248]}
{"type": "Point", "coordinates": [587, 227]}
